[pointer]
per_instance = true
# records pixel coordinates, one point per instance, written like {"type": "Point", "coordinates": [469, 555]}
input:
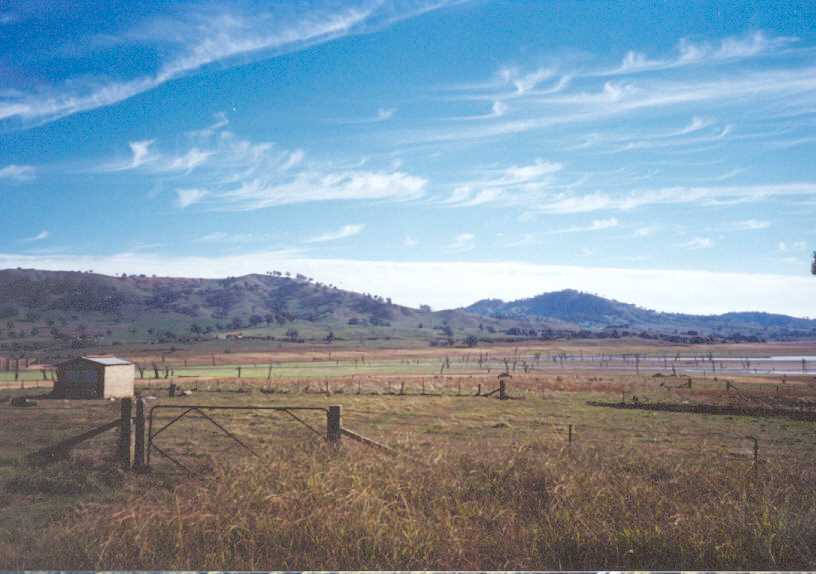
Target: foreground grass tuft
{"type": "Point", "coordinates": [521, 507]}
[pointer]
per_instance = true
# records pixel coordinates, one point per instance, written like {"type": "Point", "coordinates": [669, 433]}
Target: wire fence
{"type": "Point", "coordinates": [570, 431]}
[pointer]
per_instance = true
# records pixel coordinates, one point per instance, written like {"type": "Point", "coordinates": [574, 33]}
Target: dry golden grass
{"type": "Point", "coordinates": [516, 507]}
{"type": "Point", "coordinates": [488, 484]}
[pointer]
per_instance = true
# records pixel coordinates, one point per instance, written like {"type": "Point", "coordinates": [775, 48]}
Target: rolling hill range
{"type": "Point", "coordinates": [593, 312]}
{"type": "Point", "coordinates": [51, 309]}
{"type": "Point", "coordinates": [45, 306]}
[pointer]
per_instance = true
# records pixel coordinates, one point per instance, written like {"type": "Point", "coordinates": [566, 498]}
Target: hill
{"type": "Point", "coordinates": [40, 307]}
{"type": "Point", "coordinates": [593, 312]}
{"type": "Point", "coordinates": [58, 309]}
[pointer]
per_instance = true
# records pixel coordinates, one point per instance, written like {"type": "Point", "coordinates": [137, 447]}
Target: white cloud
{"type": "Point", "coordinates": [223, 237]}
{"type": "Point", "coordinates": [523, 82]}
{"type": "Point", "coordinates": [596, 225]}
{"type": "Point", "coordinates": [18, 173]}
{"type": "Point", "coordinates": [295, 158]}
{"type": "Point", "coordinates": [462, 242]}
{"type": "Point", "coordinates": [242, 175]}
{"type": "Point", "coordinates": [785, 247]}
{"type": "Point", "coordinates": [646, 231]}
{"type": "Point", "coordinates": [140, 151]}
{"type": "Point", "coordinates": [310, 186]}
{"type": "Point", "coordinates": [446, 284]}
{"type": "Point", "coordinates": [44, 234]}
{"type": "Point", "coordinates": [794, 261]}
{"type": "Point", "coordinates": [523, 173]}
{"type": "Point", "coordinates": [690, 52]}
{"type": "Point", "coordinates": [189, 161]}
{"type": "Point", "coordinates": [634, 61]}
{"type": "Point", "coordinates": [409, 241]}
{"type": "Point", "coordinates": [746, 225]}
{"type": "Point", "coordinates": [386, 114]}
{"type": "Point", "coordinates": [196, 37]}
{"type": "Point", "coordinates": [791, 87]}
{"type": "Point", "coordinates": [220, 121]}
{"type": "Point", "coordinates": [697, 243]}
{"type": "Point", "coordinates": [342, 233]}
{"type": "Point", "coordinates": [599, 224]}
{"type": "Point", "coordinates": [497, 110]}
{"type": "Point", "coordinates": [549, 195]}
{"type": "Point", "coordinates": [695, 125]}
{"type": "Point", "coordinates": [697, 195]}
{"type": "Point", "coordinates": [188, 197]}
{"type": "Point", "coordinates": [500, 184]}
{"type": "Point", "coordinates": [148, 160]}
{"type": "Point", "coordinates": [382, 115]}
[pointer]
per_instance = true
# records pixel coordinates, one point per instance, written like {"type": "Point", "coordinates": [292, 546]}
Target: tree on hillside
{"type": "Point", "coordinates": [292, 334]}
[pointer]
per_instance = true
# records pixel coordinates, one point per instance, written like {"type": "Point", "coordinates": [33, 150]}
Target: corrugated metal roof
{"type": "Point", "coordinates": [107, 361]}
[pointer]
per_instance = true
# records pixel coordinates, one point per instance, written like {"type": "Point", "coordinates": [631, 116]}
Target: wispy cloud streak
{"type": "Point", "coordinates": [197, 37]}
{"type": "Point", "coordinates": [346, 231]}
{"type": "Point", "coordinates": [18, 173]}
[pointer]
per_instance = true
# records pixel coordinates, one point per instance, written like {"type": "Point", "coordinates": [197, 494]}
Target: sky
{"type": "Point", "coordinates": [436, 152]}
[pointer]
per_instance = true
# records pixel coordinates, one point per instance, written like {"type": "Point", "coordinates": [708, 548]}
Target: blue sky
{"type": "Point", "coordinates": [436, 152]}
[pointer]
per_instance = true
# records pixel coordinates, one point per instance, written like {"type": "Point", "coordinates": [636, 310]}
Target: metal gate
{"type": "Point", "coordinates": [332, 433]}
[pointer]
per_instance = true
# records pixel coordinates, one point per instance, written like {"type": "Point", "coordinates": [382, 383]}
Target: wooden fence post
{"type": "Point", "coordinates": [172, 390]}
{"type": "Point", "coordinates": [139, 441]}
{"type": "Point", "coordinates": [502, 389]}
{"type": "Point", "coordinates": [125, 432]}
{"type": "Point", "coordinates": [756, 452]}
{"type": "Point", "coordinates": [333, 425]}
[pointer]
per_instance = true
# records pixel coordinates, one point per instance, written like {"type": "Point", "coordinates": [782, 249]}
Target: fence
{"type": "Point", "coordinates": [137, 441]}
{"type": "Point", "coordinates": [138, 430]}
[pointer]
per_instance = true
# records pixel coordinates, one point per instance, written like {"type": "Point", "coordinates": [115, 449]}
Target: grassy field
{"type": "Point", "coordinates": [478, 483]}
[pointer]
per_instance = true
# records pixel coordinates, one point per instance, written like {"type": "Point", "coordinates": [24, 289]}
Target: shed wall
{"type": "Point", "coordinates": [119, 381]}
{"type": "Point", "coordinates": [80, 382]}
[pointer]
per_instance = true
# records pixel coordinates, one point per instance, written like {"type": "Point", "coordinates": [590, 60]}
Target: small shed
{"type": "Point", "coordinates": [95, 378]}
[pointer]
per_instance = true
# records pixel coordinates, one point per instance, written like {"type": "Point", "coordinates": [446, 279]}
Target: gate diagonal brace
{"type": "Point", "coordinates": [171, 459]}
{"type": "Point", "coordinates": [226, 432]}
{"type": "Point", "coordinates": [304, 423]}
{"type": "Point", "coordinates": [151, 435]}
{"type": "Point", "coordinates": [181, 416]}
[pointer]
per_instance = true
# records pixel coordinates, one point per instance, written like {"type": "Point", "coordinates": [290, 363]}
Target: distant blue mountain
{"type": "Point", "coordinates": [593, 312]}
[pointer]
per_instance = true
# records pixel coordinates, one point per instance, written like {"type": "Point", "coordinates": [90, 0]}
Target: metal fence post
{"type": "Point", "coordinates": [123, 449]}
{"type": "Point", "coordinates": [139, 442]}
{"type": "Point", "coordinates": [333, 425]}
